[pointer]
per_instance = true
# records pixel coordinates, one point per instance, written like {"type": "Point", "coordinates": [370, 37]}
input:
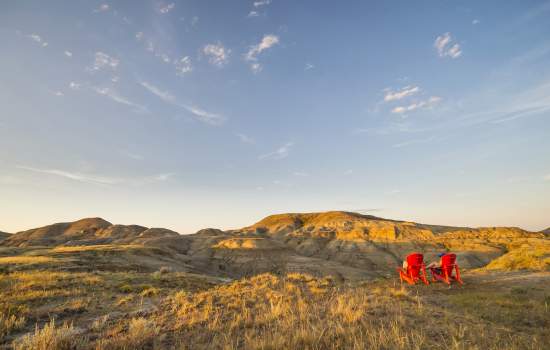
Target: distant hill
{"type": "Point", "coordinates": [547, 231]}
{"type": "Point", "coordinates": [344, 244]}
{"type": "Point", "coordinates": [4, 235]}
{"type": "Point", "coordinates": [89, 231]}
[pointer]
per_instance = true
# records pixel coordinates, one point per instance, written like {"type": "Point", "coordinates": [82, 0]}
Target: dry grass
{"type": "Point", "coordinates": [166, 309]}
{"type": "Point", "coordinates": [27, 260]}
{"type": "Point", "coordinates": [535, 259]}
{"type": "Point", "coordinates": [51, 337]}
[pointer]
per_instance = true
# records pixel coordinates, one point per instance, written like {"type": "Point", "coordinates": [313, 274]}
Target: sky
{"type": "Point", "coordinates": [194, 114]}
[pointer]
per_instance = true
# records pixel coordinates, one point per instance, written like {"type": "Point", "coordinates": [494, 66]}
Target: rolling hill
{"type": "Point", "coordinates": [343, 244]}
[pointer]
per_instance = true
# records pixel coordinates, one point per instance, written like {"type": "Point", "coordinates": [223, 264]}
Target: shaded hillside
{"type": "Point", "coordinates": [547, 231]}
{"type": "Point", "coordinates": [4, 235]}
{"type": "Point", "coordinates": [89, 231]}
{"type": "Point", "coordinates": [341, 244]}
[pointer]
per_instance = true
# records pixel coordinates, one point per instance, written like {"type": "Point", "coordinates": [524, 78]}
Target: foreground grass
{"type": "Point", "coordinates": [61, 305]}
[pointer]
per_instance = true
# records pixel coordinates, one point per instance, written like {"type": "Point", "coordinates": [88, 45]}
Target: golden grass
{"type": "Point", "coordinates": [51, 337]}
{"type": "Point", "coordinates": [92, 248]}
{"type": "Point", "coordinates": [27, 260]}
{"type": "Point", "coordinates": [536, 259]}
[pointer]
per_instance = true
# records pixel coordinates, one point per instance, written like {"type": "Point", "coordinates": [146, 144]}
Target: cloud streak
{"type": "Point", "coordinates": [267, 42]}
{"type": "Point", "coordinates": [114, 96]}
{"type": "Point", "coordinates": [400, 94]}
{"type": "Point", "coordinates": [199, 113]}
{"type": "Point", "coordinates": [445, 47]}
{"type": "Point", "coordinates": [100, 180]}
{"type": "Point", "coordinates": [279, 153]}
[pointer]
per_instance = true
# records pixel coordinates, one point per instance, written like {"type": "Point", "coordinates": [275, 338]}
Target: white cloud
{"type": "Point", "coordinates": [183, 66]}
{"type": "Point", "coordinates": [98, 179]}
{"type": "Point", "coordinates": [300, 174]}
{"type": "Point", "coordinates": [262, 3]}
{"type": "Point", "coordinates": [167, 8]}
{"type": "Point", "coordinates": [204, 116]}
{"type": "Point", "coordinates": [217, 54]}
{"type": "Point", "coordinates": [256, 68]}
{"type": "Point", "coordinates": [73, 85]}
{"type": "Point", "coordinates": [253, 14]}
{"type": "Point", "coordinates": [198, 113]}
{"type": "Point", "coordinates": [398, 95]}
{"type": "Point", "coordinates": [309, 66]}
{"type": "Point", "coordinates": [163, 95]}
{"type": "Point", "coordinates": [68, 53]}
{"type": "Point", "coordinates": [429, 103]}
{"type": "Point", "coordinates": [102, 8]}
{"type": "Point", "coordinates": [445, 48]}
{"type": "Point", "coordinates": [114, 96]}
{"type": "Point", "coordinates": [37, 38]}
{"type": "Point", "coordinates": [268, 41]}
{"type": "Point", "coordinates": [476, 21]}
{"type": "Point", "coordinates": [102, 60]}
{"type": "Point", "coordinates": [139, 36]}
{"type": "Point", "coordinates": [246, 139]}
{"type": "Point", "coordinates": [280, 153]}
{"type": "Point", "coordinates": [59, 93]}
{"type": "Point", "coordinates": [101, 180]}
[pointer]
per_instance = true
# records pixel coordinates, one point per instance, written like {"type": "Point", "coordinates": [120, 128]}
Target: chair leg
{"type": "Point", "coordinates": [458, 279]}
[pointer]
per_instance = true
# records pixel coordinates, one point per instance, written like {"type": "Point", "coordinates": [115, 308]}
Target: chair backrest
{"type": "Point", "coordinates": [448, 262]}
{"type": "Point", "coordinates": [414, 262]}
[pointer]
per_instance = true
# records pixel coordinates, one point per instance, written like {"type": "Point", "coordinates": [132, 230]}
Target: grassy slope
{"type": "Point", "coordinates": [117, 308]}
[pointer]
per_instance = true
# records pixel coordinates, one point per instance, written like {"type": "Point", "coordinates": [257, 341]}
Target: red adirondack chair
{"type": "Point", "coordinates": [416, 270]}
{"type": "Point", "coordinates": [445, 272]}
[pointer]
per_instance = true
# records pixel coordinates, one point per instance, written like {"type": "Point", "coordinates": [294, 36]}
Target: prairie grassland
{"type": "Point", "coordinates": [45, 307]}
{"type": "Point", "coordinates": [524, 258]}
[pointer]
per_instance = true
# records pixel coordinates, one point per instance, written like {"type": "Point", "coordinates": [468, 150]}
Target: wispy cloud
{"type": "Point", "coordinates": [246, 139]}
{"type": "Point", "coordinates": [102, 60]}
{"type": "Point", "coordinates": [183, 65]}
{"type": "Point", "coordinates": [102, 8]}
{"type": "Point", "coordinates": [114, 96]}
{"type": "Point", "coordinates": [268, 41]}
{"type": "Point", "coordinates": [391, 95]}
{"type": "Point", "coordinates": [38, 39]}
{"type": "Point", "coordinates": [74, 85]}
{"type": "Point", "coordinates": [217, 54]}
{"type": "Point", "coordinates": [257, 5]}
{"type": "Point", "coordinates": [68, 53]}
{"type": "Point", "coordinates": [429, 103]}
{"type": "Point", "coordinates": [197, 112]}
{"type": "Point", "coordinates": [309, 66]}
{"type": "Point", "coordinates": [476, 21]}
{"type": "Point", "coordinates": [98, 179]}
{"type": "Point", "coordinates": [300, 174]}
{"type": "Point", "coordinates": [102, 180]}
{"type": "Point", "coordinates": [261, 3]}
{"type": "Point", "coordinates": [445, 47]}
{"type": "Point", "coordinates": [279, 153]}
{"type": "Point", "coordinates": [165, 8]}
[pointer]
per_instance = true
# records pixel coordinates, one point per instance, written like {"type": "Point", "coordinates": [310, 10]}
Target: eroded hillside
{"type": "Point", "coordinates": [340, 244]}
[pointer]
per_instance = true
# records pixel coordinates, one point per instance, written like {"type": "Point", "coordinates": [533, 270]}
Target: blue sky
{"type": "Point", "coordinates": [193, 114]}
